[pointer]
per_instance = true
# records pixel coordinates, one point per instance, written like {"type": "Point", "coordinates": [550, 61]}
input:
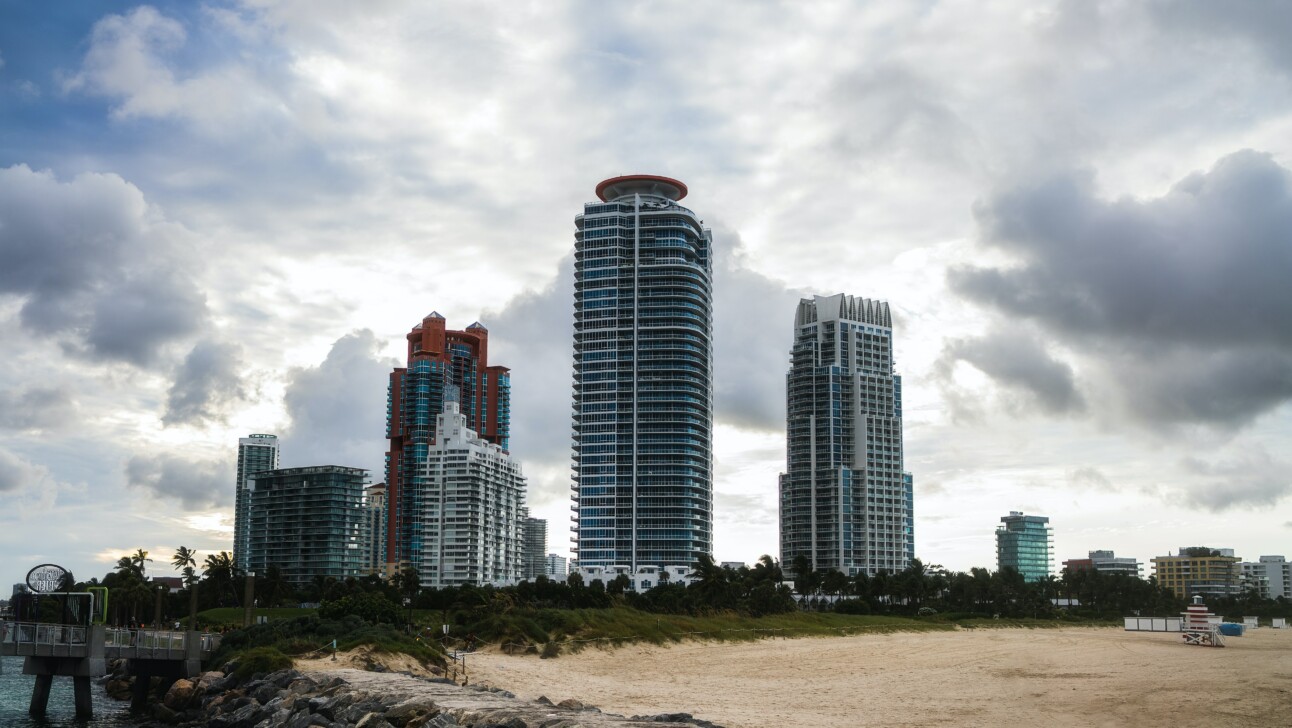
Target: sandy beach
{"type": "Point", "coordinates": [995, 677]}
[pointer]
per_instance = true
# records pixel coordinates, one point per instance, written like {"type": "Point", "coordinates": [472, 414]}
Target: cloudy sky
{"type": "Point", "coordinates": [220, 218]}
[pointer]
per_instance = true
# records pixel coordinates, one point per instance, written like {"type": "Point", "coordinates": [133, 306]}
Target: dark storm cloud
{"type": "Point", "coordinates": [209, 379]}
{"type": "Point", "coordinates": [1189, 290]}
{"type": "Point", "coordinates": [1254, 480]}
{"type": "Point", "coordinates": [94, 266]}
{"type": "Point", "coordinates": [338, 409]}
{"type": "Point", "coordinates": [195, 484]}
{"type": "Point", "coordinates": [36, 408]}
{"type": "Point", "coordinates": [1021, 363]}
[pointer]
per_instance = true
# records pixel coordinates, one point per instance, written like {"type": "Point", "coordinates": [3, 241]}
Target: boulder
{"type": "Point", "coordinates": [245, 717]}
{"type": "Point", "coordinates": [373, 720]}
{"type": "Point", "coordinates": [207, 680]}
{"type": "Point", "coordinates": [571, 704]}
{"type": "Point", "coordinates": [413, 709]}
{"type": "Point", "coordinates": [118, 689]}
{"type": "Point", "coordinates": [179, 695]}
{"type": "Point", "coordinates": [164, 714]}
{"type": "Point", "coordinates": [266, 693]}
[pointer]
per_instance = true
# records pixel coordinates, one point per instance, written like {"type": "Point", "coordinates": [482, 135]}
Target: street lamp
{"type": "Point", "coordinates": [249, 593]}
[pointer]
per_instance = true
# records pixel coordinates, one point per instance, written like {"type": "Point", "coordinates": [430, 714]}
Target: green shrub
{"type": "Point", "coordinates": [851, 606]}
{"type": "Point", "coordinates": [550, 650]}
{"type": "Point", "coordinates": [261, 660]}
{"type": "Point", "coordinates": [371, 607]}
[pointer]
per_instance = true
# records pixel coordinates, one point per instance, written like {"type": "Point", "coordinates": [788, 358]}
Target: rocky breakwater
{"type": "Point", "coordinates": [357, 699]}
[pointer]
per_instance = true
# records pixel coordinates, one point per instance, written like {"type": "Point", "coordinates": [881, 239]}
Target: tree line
{"type": "Point", "coordinates": [757, 590]}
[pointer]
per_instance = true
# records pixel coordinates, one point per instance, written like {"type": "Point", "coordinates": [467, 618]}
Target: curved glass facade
{"type": "Point", "coordinates": [643, 363]}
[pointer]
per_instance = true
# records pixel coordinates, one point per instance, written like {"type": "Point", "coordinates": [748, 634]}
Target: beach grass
{"type": "Point", "coordinates": [574, 629]}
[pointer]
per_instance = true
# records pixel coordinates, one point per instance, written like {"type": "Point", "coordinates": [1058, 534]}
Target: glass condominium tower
{"type": "Point", "coordinates": [643, 377]}
{"type": "Point", "coordinates": [256, 453]}
{"type": "Point", "coordinates": [845, 500]}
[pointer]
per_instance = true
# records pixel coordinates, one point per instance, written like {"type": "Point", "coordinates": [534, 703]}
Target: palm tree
{"type": "Point", "coordinates": [185, 560]}
{"type": "Point", "coordinates": [139, 558]}
{"type": "Point", "coordinates": [219, 569]}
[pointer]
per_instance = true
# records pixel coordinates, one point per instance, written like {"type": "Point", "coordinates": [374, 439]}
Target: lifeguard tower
{"type": "Point", "coordinates": [1198, 627]}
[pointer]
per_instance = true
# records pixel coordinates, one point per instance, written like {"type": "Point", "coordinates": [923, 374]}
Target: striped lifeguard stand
{"type": "Point", "coordinates": [1196, 627]}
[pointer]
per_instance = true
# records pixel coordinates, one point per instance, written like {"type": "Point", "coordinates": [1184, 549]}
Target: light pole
{"type": "Point", "coordinates": [249, 594]}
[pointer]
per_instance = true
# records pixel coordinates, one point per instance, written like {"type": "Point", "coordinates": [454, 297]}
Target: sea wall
{"type": "Point", "coordinates": [356, 699]}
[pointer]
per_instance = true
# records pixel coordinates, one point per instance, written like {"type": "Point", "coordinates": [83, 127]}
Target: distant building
{"type": "Point", "coordinates": [733, 565]}
{"type": "Point", "coordinates": [1024, 543]}
{"type": "Point", "coordinates": [173, 584]}
{"type": "Point", "coordinates": [641, 579]}
{"type": "Point", "coordinates": [256, 453]}
{"type": "Point", "coordinates": [1199, 570]}
{"type": "Point", "coordinates": [844, 497]}
{"type": "Point", "coordinates": [533, 555]}
{"type": "Point", "coordinates": [557, 567]}
{"type": "Point", "coordinates": [374, 529]}
{"type": "Point", "coordinates": [1271, 577]}
{"type": "Point", "coordinates": [307, 521]}
{"type": "Point", "coordinates": [442, 365]}
{"type": "Point", "coordinates": [472, 501]}
{"type": "Point", "coordinates": [1105, 562]}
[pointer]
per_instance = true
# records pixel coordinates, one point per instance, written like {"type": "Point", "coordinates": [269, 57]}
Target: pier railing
{"type": "Point", "coordinates": [30, 638]}
{"type": "Point", "coordinates": [59, 640]}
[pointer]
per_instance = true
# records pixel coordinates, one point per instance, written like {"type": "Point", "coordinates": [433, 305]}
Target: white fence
{"type": "Point", "coordinates": [1153, 624]}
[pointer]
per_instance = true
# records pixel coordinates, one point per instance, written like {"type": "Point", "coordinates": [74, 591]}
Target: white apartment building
{"type": "Point", "coordinates": [1271, 576]}
{"type": "Point", "coordinates": [470, 504]}
{"type": "Point", "coordinates": [642, 579]}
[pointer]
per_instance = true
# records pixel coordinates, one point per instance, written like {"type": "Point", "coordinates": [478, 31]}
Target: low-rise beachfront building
{"type": "Point", "coordinates": [1106, 562]}
{"type": "Point", "coordinates": [306, 521]}
{"type": "Point", "coordinates": [1270, 577]}
{"type": "Point", "coordinates": [1024, 543]}
{"type": "Point", "coordinates": [1198, 570]}
{"type": "Point", "coordinates": [644, 579]}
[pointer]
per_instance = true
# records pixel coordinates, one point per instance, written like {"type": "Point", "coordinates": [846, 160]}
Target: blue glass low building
{"type": "Point", "coordinates": [309, 522]}
{"type": "Point", "coordinates": [1024, 544]}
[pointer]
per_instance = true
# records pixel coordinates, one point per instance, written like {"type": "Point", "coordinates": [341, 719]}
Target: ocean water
{"type": "Point", "coordinates": [15, 697]}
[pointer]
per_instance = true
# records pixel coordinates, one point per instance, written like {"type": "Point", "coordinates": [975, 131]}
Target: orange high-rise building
{"type": "Point", "coordinates": [443, 365]}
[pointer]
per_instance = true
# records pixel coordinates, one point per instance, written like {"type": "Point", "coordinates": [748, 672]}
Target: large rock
{"type": "Point", "coordinates": [118, 689]}
{"type": "Point", "coordinates": [207, 680]}
{"type": "Point", "coordinates": [266, 693]}
{"type": "Point", "coordinates": [411, 710]}
{"type": "Point", "coordinates": [180, 695]}
{"type": "Point", "coordinates": [245, 717]}
{"type": "Point", "coordinates": [373, 720]}
{"type": "Point", "coordinates": [165, 714]}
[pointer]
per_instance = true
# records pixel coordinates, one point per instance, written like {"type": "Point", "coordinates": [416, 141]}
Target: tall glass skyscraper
{"type": "Point", "coordinates": [256, 453]}
{"type": "Point", "coordinates": [643, 377]}
{"type": "Point", "coordinates": [845, 501]}
{"type": "Point", "coordinates": [1023, 543]}
{"type": "Point", "coordinates": [443, 366]}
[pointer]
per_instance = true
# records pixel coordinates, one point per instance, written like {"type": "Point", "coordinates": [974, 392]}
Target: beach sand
{"type": "Point", "coordinates": [986, 677]}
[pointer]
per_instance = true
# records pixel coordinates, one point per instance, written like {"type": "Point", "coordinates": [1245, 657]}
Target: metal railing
{"type": "Point", "coordinates": [29, 633]}
{"type": "Point", "coordinates": [61, 635]}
